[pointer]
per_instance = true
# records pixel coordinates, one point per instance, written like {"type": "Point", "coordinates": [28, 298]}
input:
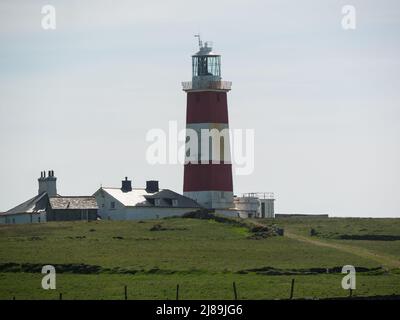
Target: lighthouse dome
{"type": "Point", "coordinates": [206, 50]}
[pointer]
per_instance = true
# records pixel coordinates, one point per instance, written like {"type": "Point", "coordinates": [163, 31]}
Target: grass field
{"type": "Point", "coordinates": [203, 256]}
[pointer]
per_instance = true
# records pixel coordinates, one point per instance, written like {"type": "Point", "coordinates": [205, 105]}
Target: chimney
{"type": "Point", "coordinates": [48, 184]}
{"type": "Point", "coordinates": [126, 185]}
{"type": "Point", "coordinates": [152, 186]}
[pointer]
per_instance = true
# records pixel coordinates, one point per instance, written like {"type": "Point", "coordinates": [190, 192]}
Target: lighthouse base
{"type": "Point", "coordinates": [212, 199]}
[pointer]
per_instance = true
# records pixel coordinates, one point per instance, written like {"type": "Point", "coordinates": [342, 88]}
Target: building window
{"type": "Point", "coordinates": [13, 220]}
{"type": "Point", "coordinates": [157, 202]}
{"type": "Point", "coordinates": [112, 205]}
{"type": "Point", "coordinates": [174, 202]}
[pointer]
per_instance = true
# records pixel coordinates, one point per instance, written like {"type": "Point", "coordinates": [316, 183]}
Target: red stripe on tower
{"type": "Point", "coordinates": [209, 183]}
{"type": "Point", "coordinates": [202, 177]}
{"type": "Point", "coordinates": [207, 107]}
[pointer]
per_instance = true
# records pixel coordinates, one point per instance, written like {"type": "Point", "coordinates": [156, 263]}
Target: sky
{"type": "Point", "coordinates": [324, 102]}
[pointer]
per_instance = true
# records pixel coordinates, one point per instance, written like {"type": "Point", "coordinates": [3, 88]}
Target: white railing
{"type": "Point", "coordinates": [260, 195]}
{"type": "Point", "coordinates": [207, 84]}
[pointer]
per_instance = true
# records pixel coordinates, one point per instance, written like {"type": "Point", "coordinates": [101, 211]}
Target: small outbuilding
{"type": "Point", "coordinates": [72, 208]}
{"type": "Point", "coordinates": [255, 205]}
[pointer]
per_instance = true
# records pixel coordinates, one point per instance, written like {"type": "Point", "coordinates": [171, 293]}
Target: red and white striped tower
{"type": "Point", "coordinates": [207, 181]}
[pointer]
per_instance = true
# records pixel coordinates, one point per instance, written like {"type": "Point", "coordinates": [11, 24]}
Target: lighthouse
{"type": "Point", "coordinates": [208, 168]}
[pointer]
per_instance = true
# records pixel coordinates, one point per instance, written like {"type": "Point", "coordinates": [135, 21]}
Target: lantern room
{"type": "Point", "coordinates": [205, 63]}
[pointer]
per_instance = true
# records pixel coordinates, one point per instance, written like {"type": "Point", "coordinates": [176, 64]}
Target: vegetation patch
{"type": "Point", "coordinates": [271, 271]}
{"type": "Point", "coordinates": [83, 269]}
{"type": "Point", "coordinates": [61, 268]}
{"type": "Point", "coordinates": [160, 227]}
{"type": "Point", "coordinates": [35, 238]}
{"type": "Point", "coordinates": [261, 232]}
{"type": "Point", "coordinates": [77, 237]}
{"type": "Point", "coordinates": [370, 237]}
{"type": "Point", "coordinates": [258, 231]}
{"type": "Point", "coordinates": [373, 237]}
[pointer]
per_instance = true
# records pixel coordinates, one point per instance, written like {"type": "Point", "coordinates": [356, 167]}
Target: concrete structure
{"type": "Point", "coordinates": [255, 205]}
{"type": "Point", "coordinates": [127, 203]}
{"type": "Point", "coordinates": [49, 206]}
{"type": "Point", "coordinates": [208, 177]}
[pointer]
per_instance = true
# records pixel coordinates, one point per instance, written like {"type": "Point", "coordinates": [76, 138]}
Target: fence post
{"type": "Point", "coordinates": [60, 297]}
{"type": "Point", "coordinates": [292, 290]}
{"type": "Point", "coordinates": [177, 292]}
{"type": "Point", "coordinates": [126, 292]}
{"type": "Point", "coordinates": [234, 290]}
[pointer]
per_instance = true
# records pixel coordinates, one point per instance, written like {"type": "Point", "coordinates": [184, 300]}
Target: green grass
{"type": "Point", "coordinates": [335, 226]}
{"type": "Point", "coordinates": [202, 256]}
{"type": "Point", "coordinates": [205, 286]}
{"type": "Point", "coordinates": [328, 229]}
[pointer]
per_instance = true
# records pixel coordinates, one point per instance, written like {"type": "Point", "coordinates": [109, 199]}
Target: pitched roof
{"type": "Point", "coordinates": [142, 198]}
{"type": "Point", "coordinates": [36, 204]}
{"type": "Point", "coordinates": [72, 203]}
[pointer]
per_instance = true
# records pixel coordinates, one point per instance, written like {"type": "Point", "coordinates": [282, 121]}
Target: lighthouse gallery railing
{"type": "Point", "coordinates": [198, 85]}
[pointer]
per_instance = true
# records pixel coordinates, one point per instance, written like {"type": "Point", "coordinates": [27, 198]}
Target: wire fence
{"type": "Point", "coordinates": [235, 294]}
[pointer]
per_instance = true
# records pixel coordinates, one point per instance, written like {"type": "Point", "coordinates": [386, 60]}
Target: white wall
{"type": "Point", "coordinates": [105, 211]}
{"type": "Point", "coordinates": [212, 199]}
{"type": "Point", "coordinates": [269, 208]}
{"type": "Point", "coordinates": [133, 213]}
{"type": "Point", "coordinates": [23, 218]}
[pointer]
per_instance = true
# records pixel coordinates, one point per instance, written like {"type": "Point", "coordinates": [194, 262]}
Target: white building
{"type": "Point", "coordinates": [127, 203]}
{"type": "Point", "coordinates": [255, 205]}
{"type": "Point", "coordinates": [48, 205]}
{"type": "Point", "coordinates": [31, 211]}
{"type": "Point", "coordinates": [34, 209]}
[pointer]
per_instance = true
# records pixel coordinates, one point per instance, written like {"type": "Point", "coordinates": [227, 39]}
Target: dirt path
{"type": "Point", "coordinates": [385, 260]}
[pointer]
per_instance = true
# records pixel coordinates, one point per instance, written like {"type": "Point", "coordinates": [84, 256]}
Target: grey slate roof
{"type": "Point", "coordinates": [165, 195]}
{"type": "Point", "coordinates": [139, 197]}
{"type": "Point", "coordinates": [71, 203]}
{"type": "Point", "coordinates": [36, 204]}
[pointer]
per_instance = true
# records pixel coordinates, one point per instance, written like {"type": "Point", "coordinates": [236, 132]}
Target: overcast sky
{"type": "Point", "coordinates": [324, 102]}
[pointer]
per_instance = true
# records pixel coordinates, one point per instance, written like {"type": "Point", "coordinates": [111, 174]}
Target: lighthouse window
{"type": "Point", "coordinates": [206, 66]}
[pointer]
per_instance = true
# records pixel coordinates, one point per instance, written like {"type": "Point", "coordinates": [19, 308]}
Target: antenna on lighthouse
{"type": "Point", "coordinates": [200, 42]}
